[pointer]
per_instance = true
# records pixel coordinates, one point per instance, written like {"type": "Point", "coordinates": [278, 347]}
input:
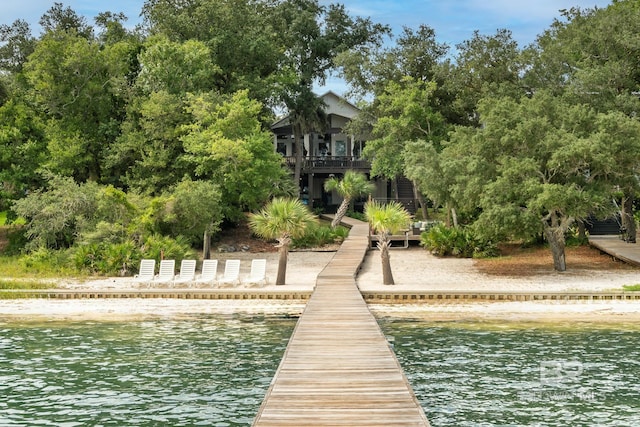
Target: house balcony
{"type": "Point", "coordinates": [330, 164]}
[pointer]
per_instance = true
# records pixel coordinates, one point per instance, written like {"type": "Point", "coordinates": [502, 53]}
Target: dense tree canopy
{"type": "Point", "coordinates": [518, 141]}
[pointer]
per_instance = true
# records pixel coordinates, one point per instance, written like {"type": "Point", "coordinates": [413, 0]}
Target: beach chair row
{"type": "Point", "coordinates": [208, 275]}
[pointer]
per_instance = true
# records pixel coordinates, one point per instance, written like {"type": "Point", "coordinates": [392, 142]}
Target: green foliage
{"type": "Point", "coordinates": [162, 247]}
{"type": "Point", "coordinates": [357, 215]}
{"type": "Point", "coordinates": [57, 215]}
{"type": "Point", "coordinates": [441, 240]}
{"type": "Point", "coordinates": [318, 235]}
{"type": "Point", "coordinates": [113, 259]}
{"type": "Point", "coordinates": [227, 145]}
{"type": "Point", "coordinates": [386, 218]}
{"type": "Point", "coordinates": [352, 185]}
{"type": "Point", "coordinates": [195, 209]}
{"type": "Point", "coordinates": [47, 262]}
{"type": "Point", "coordinates": [631, 288]}
{"type": "Point", "coordinates": [282, 219]}
{"type": "Point", "coordinates": [24, 284]}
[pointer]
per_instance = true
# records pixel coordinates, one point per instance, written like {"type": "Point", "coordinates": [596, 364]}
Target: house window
{"type": "Point", "coordinates": [341, 148]}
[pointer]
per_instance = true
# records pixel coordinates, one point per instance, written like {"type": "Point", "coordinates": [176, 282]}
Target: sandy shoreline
{"type": "Point", "coordinates": [414, 270]}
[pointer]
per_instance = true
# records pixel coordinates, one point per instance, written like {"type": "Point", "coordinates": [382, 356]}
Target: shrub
{"type": "Point", "coordinates": [122, 259]}
{"type": "Point", "coordinates": [162, 247]}
{"type": "Point", "coordinates": [357, 215]}
{"type": "Point", "coordinates": [47, 262]}
{"type": "Point", "coordinates": [441, 240]}
{"type": "Point", "coordinates": [107, 258]}
{"type": "Point", "coordinates": [320, 235]}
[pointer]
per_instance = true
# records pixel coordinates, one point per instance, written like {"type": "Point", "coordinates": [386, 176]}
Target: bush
{"type": "Point", "coordinates": [162, 247]}
{"type": "Point", "coordinates": [47, 262]}
{"type": "Point", "coordinates": [112, 259]}
{"type": "Point", "coordinates": [441, 240]}
{"type": "Point", "coordinates": [356, 215]}
{"type": "Point", "coordinates": [320, 235]}
{"type": "Point", "coordinates": [123, 259]}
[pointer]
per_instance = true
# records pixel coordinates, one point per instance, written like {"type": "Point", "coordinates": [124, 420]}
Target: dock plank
{"type": "Point", "coordinates": [338, 369]}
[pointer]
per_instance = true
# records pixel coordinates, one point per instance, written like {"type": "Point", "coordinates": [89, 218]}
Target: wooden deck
{"type": "Point", "coordinates": [338, 369]}
{"type": "Point", "coordinates": [617, 248]}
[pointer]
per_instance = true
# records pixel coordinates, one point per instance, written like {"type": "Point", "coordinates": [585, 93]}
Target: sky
{"type": "Point", "coordinates": [454, 21]}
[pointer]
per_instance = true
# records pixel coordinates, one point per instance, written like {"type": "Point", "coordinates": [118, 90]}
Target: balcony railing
{"type": "Point", "coordinates": [329, 163]}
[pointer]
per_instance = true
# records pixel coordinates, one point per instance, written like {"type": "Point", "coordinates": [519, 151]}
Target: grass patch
{"type": "Point", "coordinates": [25, 284]}
{"type": "Point", "coordinates": [5, 295]}
{"type": "Point", "coordinates": [631, 287]}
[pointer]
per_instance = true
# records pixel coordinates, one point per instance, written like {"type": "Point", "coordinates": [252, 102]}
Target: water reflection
{"type": "Point", "coordinates": [212, 371]}
{"type": "Point", "coordinates": [520, 376]}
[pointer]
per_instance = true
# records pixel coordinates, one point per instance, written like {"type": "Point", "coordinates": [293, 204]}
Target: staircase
{"type": "Point", "coordinates": [605, 227]}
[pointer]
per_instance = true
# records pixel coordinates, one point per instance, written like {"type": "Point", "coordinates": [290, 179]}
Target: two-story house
{"type": "Point", "coordinates": [329, 152]}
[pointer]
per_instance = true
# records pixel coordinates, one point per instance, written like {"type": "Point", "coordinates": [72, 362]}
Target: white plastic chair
{"type": "Point", "coordinates": [166, 273]}
{"type": "Point", "coordinates": [231, 275]}
{"type": "Point", "coordinates": [209, 273]}
{"type": "Point", "coordinates": [258, 274]}
{"type": "Point", "coordinates": [187, 272]}
{"type": "Point", "coordinates": [146, 272]}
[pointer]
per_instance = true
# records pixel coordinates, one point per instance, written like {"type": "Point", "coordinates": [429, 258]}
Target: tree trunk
{"type": "Point", "coordinates": [555, 238]}
{"type": "Point", "coordinates": [454, 215]}
{"type": "Point", "coordinates": [282, 264]}
{"type": "Point", "coordinates": [342, 211]}
{"type": "Point", "coordinates": [417, 195]}
{"type": "Point", "coordinates": [385, 257]}
{"type": "Point", "coordinates": [582, 232]}
{"type": "Point", "coordinates": [206, 245]}
{"type": "Point", "coordinates": [628, 222]}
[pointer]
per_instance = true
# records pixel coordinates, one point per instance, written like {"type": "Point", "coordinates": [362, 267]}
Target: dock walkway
{"type": "Point", "coordinates": [617, 248]}
{"type": "Point", "coordinates": [338, 368]}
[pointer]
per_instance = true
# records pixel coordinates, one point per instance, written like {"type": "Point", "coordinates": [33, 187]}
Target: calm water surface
{"type": "Point", "coordinates": [521, 375]}
{"type": "Point", "coordinates": [211, 372]}
{"type": "Point", "coordinates": [215, 371]}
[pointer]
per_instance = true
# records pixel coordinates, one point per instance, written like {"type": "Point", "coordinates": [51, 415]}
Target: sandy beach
{"type": "Point", "coordinates": [414, 269]}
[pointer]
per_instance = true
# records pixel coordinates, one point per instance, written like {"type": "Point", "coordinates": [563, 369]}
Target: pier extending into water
{"type": "Point", "coordinates": [338, 368]}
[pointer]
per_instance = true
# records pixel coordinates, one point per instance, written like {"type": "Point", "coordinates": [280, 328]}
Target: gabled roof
{"type": "Point", "coordinates": [334, 105]}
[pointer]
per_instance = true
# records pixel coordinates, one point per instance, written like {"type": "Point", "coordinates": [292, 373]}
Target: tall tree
{"type": "Point", "coordinates": [593, 56]}
{"type": "Point", "coordinates": [17, 44]}
{"type": "Point", "coordinates": [59, 19]}
{"type": "Point", "coordinates": [226, 144]}
{"type": "Point", "coordinates": [535, 166]}
{"type": "Point", "coordinates": [352, 185]}
{"type": "Point", "coordinates": [78, 85]}
{"type": "Point", "coordinates": [282, 219]}
{"type": "Point", "coordinates": [313, 38]}
{"type": "Point", "coordinates": [386, 220]}
{"type": "Point", "coordinates": [22, 150]}
{"type": "Point", "coordinates": [244, 39]}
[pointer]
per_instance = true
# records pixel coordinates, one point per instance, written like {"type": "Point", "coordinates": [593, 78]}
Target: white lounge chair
{"type": "Point", "coordinates": [209, 273]}
{"type": "Point", "coordinates": [166, 273]}
{"type": "Point", "coordinates": [146, 272]}
{"type": "Point", "coordinates": [231, 275]}
{"type": "Point", "coordinates": [187, 272]}
{"type": "Point", "coordinates": [258, 274]}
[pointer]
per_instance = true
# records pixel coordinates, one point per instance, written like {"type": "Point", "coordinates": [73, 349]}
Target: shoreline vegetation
{"type": "Point", "coordinates": [414, 269]}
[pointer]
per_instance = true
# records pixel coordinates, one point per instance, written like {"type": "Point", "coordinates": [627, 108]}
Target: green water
{"type": "Point", "coordinates": [521, 375]}
{"type": "Point", "coordinates": [215, 371]}
{"type": "Point", "coordinates": [211, 372]}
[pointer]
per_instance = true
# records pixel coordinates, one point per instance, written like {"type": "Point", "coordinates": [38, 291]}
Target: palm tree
{"type": "Point", "coordinates": [282, 219]}
{"type": "Point", "coordinates": [386, 220]}
{"type": "Point", "coordinates": [353, 184]}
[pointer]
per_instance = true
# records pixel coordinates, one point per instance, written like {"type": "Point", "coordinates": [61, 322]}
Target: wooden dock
{"type": "Point", "coordinates": [338, 369]}
{"type": "Point", "coordinates": [617, 248]}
